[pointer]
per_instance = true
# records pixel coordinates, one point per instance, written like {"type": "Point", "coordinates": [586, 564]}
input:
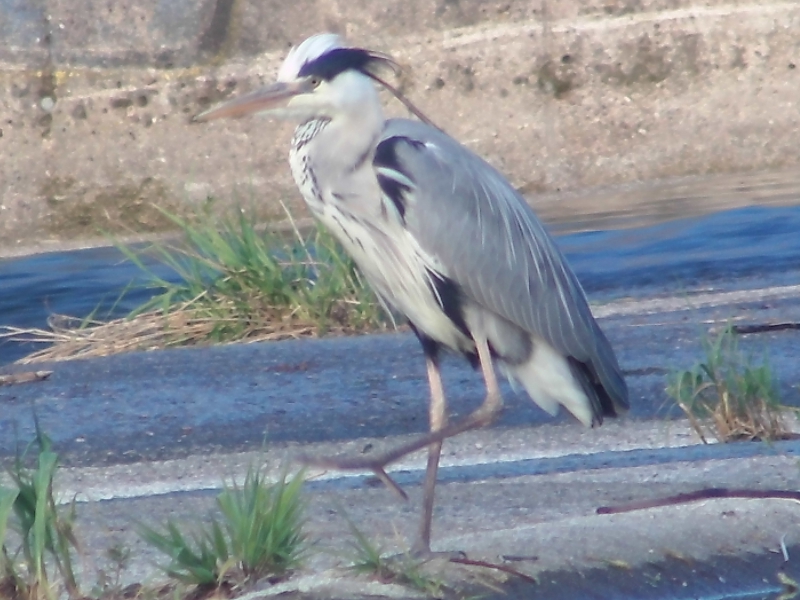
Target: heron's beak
{"type": "Point", "coordinates": [263, 99]}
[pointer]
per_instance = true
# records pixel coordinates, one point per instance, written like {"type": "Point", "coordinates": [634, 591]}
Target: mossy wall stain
{"type": "Point", "coordinates": [462, 76]}
{"type": "Point", "coordinates": [123, 208]}
{"type": "Point", "coordinates": [215, 42]}
{"type": "Point", "coordinates": [556, 79]}
{"type": "Point", "coordinates": [652, 61]}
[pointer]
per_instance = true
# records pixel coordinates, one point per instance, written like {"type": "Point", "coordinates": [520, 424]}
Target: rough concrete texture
{"type": "Point", "coordinates": [546, 521]}
{"type": "Point", "coordinates": [96, 97]}
{"type": "Point", "coordinates": [148, 436]}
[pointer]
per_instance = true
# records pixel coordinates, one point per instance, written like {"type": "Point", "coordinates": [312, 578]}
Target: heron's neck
{"type": "Point", "coordinates": [347, 141]}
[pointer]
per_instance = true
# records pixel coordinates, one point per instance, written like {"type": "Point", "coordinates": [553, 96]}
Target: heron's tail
{"type": "Point", "coordinates": [553, 380]}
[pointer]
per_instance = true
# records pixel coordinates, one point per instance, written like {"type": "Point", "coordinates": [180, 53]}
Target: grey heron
{"type": "Point", "coordinates": [443, 239]}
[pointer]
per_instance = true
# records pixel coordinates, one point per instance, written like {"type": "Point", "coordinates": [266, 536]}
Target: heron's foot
{"type": "Point", "coordinates": [422, 552]}
{"type": "Point", "coordinates": [377, 463]}
{"type": "Point", "coordinates": [482, 417]}
{"type": "Point", "coordinates": [401, 562]}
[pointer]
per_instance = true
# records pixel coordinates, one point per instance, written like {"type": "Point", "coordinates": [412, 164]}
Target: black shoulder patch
{"type": "Point", "coordinates": [337, 61]}
{"type": "Point", "coordinates": [394, 191]}
{"type": "Point", "coordinates": [450, 299]}
{"type": "Point", "coordinates": [386, 157]}
{"type": "Point", "coordinates": [386, 152]}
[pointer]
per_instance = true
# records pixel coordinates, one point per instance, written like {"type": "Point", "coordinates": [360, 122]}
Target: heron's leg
{"type": "Point", "coordinates": [493, 403]}
{"type": "Point", "coordinates": [483, 416]}
{"type": "Point", "coordinates": [438, 419]}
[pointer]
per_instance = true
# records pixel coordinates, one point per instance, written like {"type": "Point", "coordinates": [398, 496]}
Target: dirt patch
{"type": "Point", "coordinates": [557, 79]}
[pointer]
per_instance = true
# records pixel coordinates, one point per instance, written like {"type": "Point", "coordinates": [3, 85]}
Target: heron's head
{"type": "Point", "coordinates": [321, 77]}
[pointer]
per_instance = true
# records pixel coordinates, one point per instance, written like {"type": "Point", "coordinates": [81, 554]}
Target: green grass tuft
{"type": "Point", "coordinates": [264, 523]}
{"type": "Point", "coordinates": [46, 533]}
{"type": "Point", "coordinates": [260, 535]}
{"type": "Point", "coordinates": [368, 559]}
{"type": "Point", "coordinates": [199, 558]}
{"type": "Point", "coordinates": [246, 279]}
{"type": "Point", "coordinates": [728, 397]}
{"type": "Point", "coordinates": [7, 499]}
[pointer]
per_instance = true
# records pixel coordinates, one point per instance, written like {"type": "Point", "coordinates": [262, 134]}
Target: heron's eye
{"type": "Point", "coordinates": [314, 82]}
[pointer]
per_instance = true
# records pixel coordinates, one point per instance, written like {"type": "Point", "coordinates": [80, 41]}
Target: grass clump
{"type": "Point", "coordinates": [264, 523]}
{"type": "Point", "coordinates": [42, 567]}
{"type": "Point", "coordinates": [109, 579]}
{"type": "Point", "coordinates": [234, 283]}
{"type": "Point", "coordinates": [242, 277]}
{"type": "Point", "coordinates": [260, 535]}
{"type": "Point", "coordinates": [7, 499]}
{"type": "Point", "coordinates": [728, 397]}
{"type": "Point", "coordinates": [368, 559]}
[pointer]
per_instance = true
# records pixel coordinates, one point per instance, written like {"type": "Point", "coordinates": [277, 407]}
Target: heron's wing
{"type": "Point", "coordinates": [485, 238]}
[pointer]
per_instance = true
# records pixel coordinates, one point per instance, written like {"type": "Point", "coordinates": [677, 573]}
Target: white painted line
{"type": "Point", "coordinates": [471, 449]}
{"type": "Point", "coordinates": [692, 301]}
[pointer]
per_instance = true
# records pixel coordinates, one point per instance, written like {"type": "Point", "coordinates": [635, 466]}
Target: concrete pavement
{"type": "Point", "coordinates": [152, 435]}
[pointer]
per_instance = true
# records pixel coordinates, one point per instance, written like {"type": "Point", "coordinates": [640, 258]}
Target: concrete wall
{"type": "Point", "coordinates": [96, 96]}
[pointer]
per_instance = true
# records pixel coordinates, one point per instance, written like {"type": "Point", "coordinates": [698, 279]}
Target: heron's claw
{"type": "Point", "coordinates": [377, 466]}
{"type": "Point", "coordinates": [390, 483]}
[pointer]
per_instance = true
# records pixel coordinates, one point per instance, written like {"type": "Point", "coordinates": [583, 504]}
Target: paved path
{"type": "Point", "coordinates": [150, 435]}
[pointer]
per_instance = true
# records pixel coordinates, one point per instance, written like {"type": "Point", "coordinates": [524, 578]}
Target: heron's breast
{"type": "Point", "coordinates": [397, 271]}
{"type": "Point", "coordinates": [371, 228]}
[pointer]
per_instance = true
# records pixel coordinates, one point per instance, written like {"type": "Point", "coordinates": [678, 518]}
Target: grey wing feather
{"type": "Point", "coordinates": [489, 241]}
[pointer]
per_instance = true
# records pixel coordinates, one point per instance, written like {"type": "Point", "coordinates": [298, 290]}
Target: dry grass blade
{"type": "Point", "coordinates": [24, 377]}
{"type": "Point", "coordinates": [72, 338]}
{"type": "Point", "coordinates": [761, 421]}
